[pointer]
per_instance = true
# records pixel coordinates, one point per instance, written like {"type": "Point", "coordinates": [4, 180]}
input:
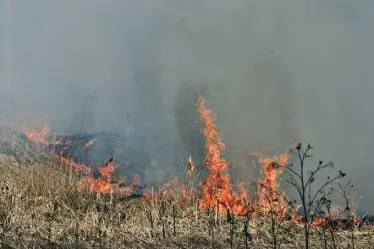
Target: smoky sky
{"type": "Point", "coordinates": [276, 72]}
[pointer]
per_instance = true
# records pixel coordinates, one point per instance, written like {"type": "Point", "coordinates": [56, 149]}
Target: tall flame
{"type": "Point", "coordinates": [217, 185]}
{"type": "Point", "coordinates": [270, 197]}
{"type": "Point", "coordinates": [216, 192]}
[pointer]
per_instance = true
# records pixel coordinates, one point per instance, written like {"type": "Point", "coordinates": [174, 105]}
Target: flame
{"type": "Point", "coordinates": [104, 184]}
{"type": "Point", "coordinates": [90, 143]}
{"type": "Point", "coordinates": [77, 167]}
{"type": "Point", "coordinates": [216, 188]}
{"type": "Point", "coordinates": [38, 137]}
{"type": "Point", "coordinates": [270, 198]}
{"type": "Point", "coordinates": [319, 221]}
{"type": "Point", "coordinates": [217, 185]}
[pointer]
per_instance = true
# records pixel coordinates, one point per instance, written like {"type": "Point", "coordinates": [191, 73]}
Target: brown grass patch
{"type": "Point", "coordinates": [41, 208]}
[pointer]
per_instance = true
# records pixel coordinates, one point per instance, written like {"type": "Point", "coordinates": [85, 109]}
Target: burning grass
{"type": "Point", "coordinates": [40, 207]}
{"type": "Point", "coordinates": [50, 201]}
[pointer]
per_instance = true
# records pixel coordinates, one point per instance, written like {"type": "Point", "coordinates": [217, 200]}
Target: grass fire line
{"type": "Point", "coordinates": [214, 194]}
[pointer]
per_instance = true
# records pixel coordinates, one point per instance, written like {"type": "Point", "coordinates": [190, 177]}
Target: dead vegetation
{"type": "Point", "coordinates": [40, 207]}
{"type": "Point", "coordinates": [43, 204]}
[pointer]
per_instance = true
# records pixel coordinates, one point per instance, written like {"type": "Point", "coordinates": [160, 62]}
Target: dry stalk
{"type": "Point", "coordinates": [217, 212]}
{"type": "Point", "coordinates": [174, 221]}
{"type": "Point", "coordinates": [163, 204]}
{"type": "Point", "coordinates": [80, 220]}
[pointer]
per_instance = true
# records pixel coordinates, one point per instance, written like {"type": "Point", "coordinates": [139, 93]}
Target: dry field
{"type": "Point", "coordinates": [40, 207]}
{"type": "Point", "coordinates": [43, 204]}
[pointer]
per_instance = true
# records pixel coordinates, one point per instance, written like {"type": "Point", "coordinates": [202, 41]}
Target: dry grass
{"type": "Point", "coordinates": [40, 208]}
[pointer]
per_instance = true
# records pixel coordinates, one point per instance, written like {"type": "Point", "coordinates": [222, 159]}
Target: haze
{"type": "Point", "coordinates": [276, 72]}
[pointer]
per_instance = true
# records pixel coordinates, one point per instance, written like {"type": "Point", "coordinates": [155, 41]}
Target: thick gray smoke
{"type": "Point", "coordinates": [276, 72]}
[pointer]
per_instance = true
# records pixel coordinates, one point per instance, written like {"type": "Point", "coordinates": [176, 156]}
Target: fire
{"type": "Point", "coordinates": [104, 184]}
{"type": "Point", "coordinates": [217, 185]}
{"type": "Point", "coordinates": [90, 143]}
{"type": "Point", "coordinates": [270, 198]}
{"type": "Point", "coordinates": [319, 221]}
{"type": "Point", "coordinates": [77, 167]}
{"type": "Point", "coordinates": [216, 190]}
{"type": "Point", "coordinates": [38, 137]}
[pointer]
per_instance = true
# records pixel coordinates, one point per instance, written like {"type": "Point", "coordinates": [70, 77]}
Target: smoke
{"type": "Point", "coordinates": [276, 72]}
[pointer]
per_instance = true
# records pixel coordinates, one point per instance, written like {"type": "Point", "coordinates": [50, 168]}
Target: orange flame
{"type": "Point", "coordinates": [90, 143]}
{"type": "Point", "coordinates": [215, 188]}
{"type": "Point", "coordinates": [270, 198]}
{"type": "Point", "coordinates": [217, 185]}
{"type": "Point", "coordinates": [38, 137]}
{"type": "Point", "coordinates": [102, 185]}
{"type": "Point", "coordinates": [77, 167]}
